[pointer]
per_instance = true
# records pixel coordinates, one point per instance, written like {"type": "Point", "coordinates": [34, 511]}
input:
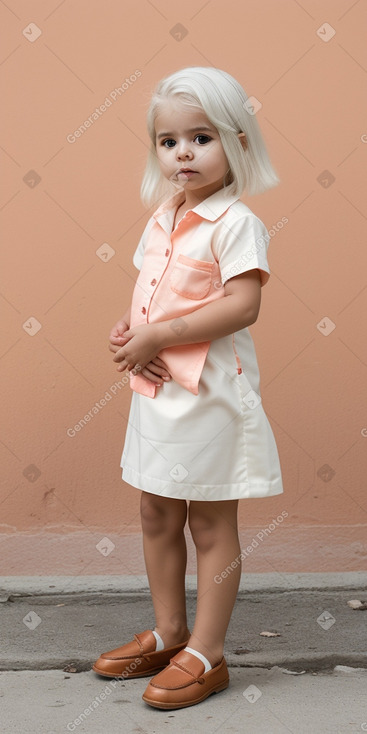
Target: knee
{"type": "Point", "coordinates": [203, 529]}
{"type": "Point", "coordinates": [211, 523]}
{"type": "Point", "coordinates": [159, 515]}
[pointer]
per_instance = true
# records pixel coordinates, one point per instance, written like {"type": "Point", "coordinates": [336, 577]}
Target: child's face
{"type": "Point", "coordinates": [200, 150]}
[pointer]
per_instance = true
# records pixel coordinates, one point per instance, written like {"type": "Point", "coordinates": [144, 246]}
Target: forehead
{"type": "Point", "coordinates": [174, 115]}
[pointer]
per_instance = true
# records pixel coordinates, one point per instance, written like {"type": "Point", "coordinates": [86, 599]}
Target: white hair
{"type": "Point", "coordinates": [222, 99]}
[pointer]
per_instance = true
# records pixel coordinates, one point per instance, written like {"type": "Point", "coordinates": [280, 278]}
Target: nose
{"type": "Point", "coordinates": [183, 150]}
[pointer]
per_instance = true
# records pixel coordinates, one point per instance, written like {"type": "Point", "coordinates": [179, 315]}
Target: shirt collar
{"type": "Point", "coordinates": [211, 208]}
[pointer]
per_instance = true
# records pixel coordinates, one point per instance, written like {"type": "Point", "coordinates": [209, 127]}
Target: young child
{"type": "Point", "coordinates": [197, 430]}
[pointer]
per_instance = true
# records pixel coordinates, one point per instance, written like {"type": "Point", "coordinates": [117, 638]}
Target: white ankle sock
{"type": "Point", "coordinates": [201, 657]}
{"type": "Point", "coordinates": [159, 643]}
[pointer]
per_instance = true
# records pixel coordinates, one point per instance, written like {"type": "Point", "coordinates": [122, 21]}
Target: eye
{"type": "Point", "coordinates": [203, 140]}
{"type": "Point", "coordinates": [206, 138]}
{"type": "Point", "coordinates": [168, 140]}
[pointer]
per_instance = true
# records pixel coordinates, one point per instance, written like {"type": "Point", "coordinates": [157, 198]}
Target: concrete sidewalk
{"type": "Point", "coordinates": [51, 623]}
{"type": "Point", "coordinates": [46, 623]}
{"type": "Point", "coordinates": [257, 701]}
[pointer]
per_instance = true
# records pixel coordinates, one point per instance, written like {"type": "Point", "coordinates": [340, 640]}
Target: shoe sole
{"type": "Point", "coordinates": [183, 704]}
{"type": "Point", "coordinates": [135, 675]}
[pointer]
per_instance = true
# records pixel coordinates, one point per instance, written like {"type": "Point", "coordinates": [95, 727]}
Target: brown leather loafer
{"type": "Point", "coordinates": [137, 658]}
{"type": "Point", "coordinates": [184, 683]}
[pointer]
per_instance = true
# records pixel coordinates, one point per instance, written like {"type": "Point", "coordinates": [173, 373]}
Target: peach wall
{"type": "Point", "coordinates": [66, 204]}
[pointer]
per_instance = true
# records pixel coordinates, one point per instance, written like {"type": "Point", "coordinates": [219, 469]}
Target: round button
{"type": "Point", "coordinates": [143, 310]}
{"type": "Point", "coordinates": [166, 253]}
{"type": "Point", "coordinates": [153, 282]}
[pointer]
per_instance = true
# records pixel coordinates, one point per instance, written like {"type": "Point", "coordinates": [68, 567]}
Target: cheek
{"type": "Point", "coordinates": [217, 158]}
{"type": "Point", "coordinates": [219, 163]}
{"type": "Point", "coordinates": [163, 160]}
{"type": "Point", "coordinates": [223, 158]}
{"type": "Point", "coordinates": [224, 163]}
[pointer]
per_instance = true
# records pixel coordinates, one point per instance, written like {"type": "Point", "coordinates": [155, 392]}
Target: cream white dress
{"type": "Point", "coordinates": [217, 445]}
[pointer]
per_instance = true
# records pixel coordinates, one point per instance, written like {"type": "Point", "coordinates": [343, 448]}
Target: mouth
{"type": "Point", "coordinates": [188, 172]}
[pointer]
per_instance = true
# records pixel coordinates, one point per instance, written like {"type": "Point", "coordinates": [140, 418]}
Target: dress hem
{"type": "Point", "coordinates": [208, 492]}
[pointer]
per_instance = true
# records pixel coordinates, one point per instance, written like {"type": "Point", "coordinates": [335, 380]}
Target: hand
{"type": "Point", "coordinates": [117, 331]}
{"type": "Point", "coordinates": [140, 346]}
{"type": "Point", "coordinates": [116, 337]}
{"type": "Point", "coordinates": [156, 371]}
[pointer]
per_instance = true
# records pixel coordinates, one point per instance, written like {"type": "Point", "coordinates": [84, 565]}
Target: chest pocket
{"type": "Point", "coordinates": [191, 278]}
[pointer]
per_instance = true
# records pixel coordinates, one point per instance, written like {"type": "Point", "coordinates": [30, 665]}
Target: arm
{"type": "Point", "coordinates": [121, 326]}
{"type": "Point", "coordinates": [155, 370]}
{"type": "Point", "coordinates": [239, 308]}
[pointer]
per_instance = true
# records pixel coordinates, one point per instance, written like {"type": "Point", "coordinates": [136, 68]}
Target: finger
{"type": "Point", "coordinates": [119, 356]}
{"type": "Point", "coordinates": [122, 366]}
{"type": "Point", "coordinates": [116, 332]}
{"type": "Point", "coordinates": [161, 371]}
{"type": "Point", "coordinates": [119, 340]}
{"type": "Point", "coordinates": [151, 376]}
{"type": "Point", "coordinates": [159, 362]}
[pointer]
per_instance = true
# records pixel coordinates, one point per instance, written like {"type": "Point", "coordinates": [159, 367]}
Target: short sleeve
{"type": "Point", "coordinates": [139, 252]}
{"type": "Point", "coordinates": [243, 245]}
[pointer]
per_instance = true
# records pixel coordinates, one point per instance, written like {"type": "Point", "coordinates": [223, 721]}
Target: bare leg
{"type": "Point", "coordinates": [214, 531]}
{"type": "Point", "coordinates": [163, 520]}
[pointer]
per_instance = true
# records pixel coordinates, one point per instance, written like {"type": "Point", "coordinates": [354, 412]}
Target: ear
{"type": "Point", "coordinates": [243, 140]}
